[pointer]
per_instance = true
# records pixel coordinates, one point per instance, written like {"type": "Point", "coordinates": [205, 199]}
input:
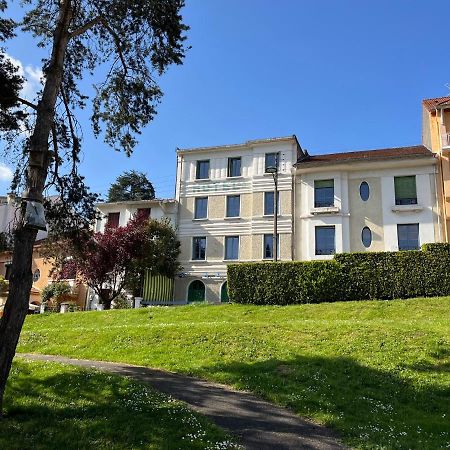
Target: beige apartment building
{"type": "Point", "coordinates": [225, 211]}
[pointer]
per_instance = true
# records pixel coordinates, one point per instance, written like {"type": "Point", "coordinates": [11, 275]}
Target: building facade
{"type": "Point", "coordinates": [225, 211]}
{"type": "Point", "coordinates": [117, 214]}
{"type": "Point", "coordinates": [377, 200]}
{"type": "Point", "coordinates": [436, 137]}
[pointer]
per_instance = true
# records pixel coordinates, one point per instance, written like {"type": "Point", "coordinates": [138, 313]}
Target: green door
{"type": "Point", "coordinates": [196, 291]}
{"type": "Point", "coordinates": [224, 293]}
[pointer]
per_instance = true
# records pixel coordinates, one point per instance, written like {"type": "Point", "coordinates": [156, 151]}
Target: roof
{"type": "Point", "coordinates": [432, 103]}
{"type": "Point", "coordinates": [155, 201]}
{"type": "Point", "coordinates": [368, 155]}
{"type": "Point", "coordinates": [273, 140]}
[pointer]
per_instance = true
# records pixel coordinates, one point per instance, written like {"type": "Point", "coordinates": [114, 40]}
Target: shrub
{"type": "Point", "coordinates": [349, 276]}
{"type": "Point", "coordinates": [55, 291]}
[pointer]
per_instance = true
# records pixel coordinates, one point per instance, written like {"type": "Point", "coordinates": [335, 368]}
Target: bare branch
{"type": "Point", "coordinates": [116, 41]}
{"type": "Point", "coordinates": [87, 26]}
{"type": "Point", "coordinates": [26, 102]}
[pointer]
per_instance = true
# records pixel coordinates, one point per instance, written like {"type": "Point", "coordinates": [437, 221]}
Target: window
{"type": "Point", "coordinates": [325, 240]}
{"type": "Point", "coordinates": [366, 237]}
{"type": "Point", "coordinates": [364, 191]}
{"type": "Point", "coordinates": [201, 208]}
{"type": "Point", "coordinates": [36, 275]}
{"type": "Point", "coordinates": [113, 220]}
{"type": "Point", "coordinates": [143, 213]}
{"type": "Point", "coordinates": [268, 203]}
{"type": "Point", "coordinates": [323, 193]}
{"type": "Point", "coordinates": [405, 190]}
{"type": "Point", "coordinates": [8, 270]}
{"type": "Point", "coordinates": [233, 205]}
{"type": "Point", "coordinates": [408, 236]}
{"type": "Point", "coordinates": [202, 170]}
{"type": "Point", "coordinates": [272, 160]}
{"type": "Point", "coordinates": [232, 247]}
{"type": "Point", "coordinates": [268, 246]}
{"type": "Point", "coordinates": [199, 248]}
{"type": "Point", "coordinates": [234, 167]}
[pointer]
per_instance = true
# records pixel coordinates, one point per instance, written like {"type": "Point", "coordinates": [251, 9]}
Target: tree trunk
{"type": "Point", "coordinates": [21, 278]}
{"type": "Point", "coordinates": [16, 307]}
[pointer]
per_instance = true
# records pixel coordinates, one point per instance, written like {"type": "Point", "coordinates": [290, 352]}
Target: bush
{"type": "Point", "coordinates": [349, 276]}
{"type": "Point", "coordinates": [55, 291]}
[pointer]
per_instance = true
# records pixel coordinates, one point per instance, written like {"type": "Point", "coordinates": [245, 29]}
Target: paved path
{"type": "Point", "coordinates": [258, 424]}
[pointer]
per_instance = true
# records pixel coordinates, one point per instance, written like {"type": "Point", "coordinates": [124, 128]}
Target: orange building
{"type": "Point", "coordinates": [41, 269]}
{"type": "Point", "coordinates": [436, 137]}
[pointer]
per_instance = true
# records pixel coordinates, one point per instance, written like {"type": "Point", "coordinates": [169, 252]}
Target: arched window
{"type": "Point", "coordinates": [196, 291]}
{"type": "Point", "coordinates": [364, 191]}
{"type": "Point", "coordinates": [224, 293]}
{"type": "Point", "coordinates": [36, 275]}
{"type": "Point", "coordinates": [366, 237]}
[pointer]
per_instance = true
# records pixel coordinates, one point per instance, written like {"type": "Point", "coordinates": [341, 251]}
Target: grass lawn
{"type": "Point", "coordinates": [377, 372]}
{"type": "Point", "coordinates": [52, 406]}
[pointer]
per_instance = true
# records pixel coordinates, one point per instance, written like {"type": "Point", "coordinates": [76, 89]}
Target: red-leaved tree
{"type": "Point", "coordinates": [111, 261]}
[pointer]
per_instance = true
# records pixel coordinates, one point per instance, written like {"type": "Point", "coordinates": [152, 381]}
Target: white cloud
{"type": "Point", "coordinates": [6, 173]}
{"type": "Point", "coordinates": [32, 75]}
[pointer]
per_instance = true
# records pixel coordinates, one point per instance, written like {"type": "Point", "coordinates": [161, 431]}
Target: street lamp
{"type": "Point", "coordinates": [274, 171]}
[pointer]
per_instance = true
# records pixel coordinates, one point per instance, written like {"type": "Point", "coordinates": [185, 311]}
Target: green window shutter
{"type": "Point", "coordinates": [405, 187]}
{"type": "Point", "coordinates": [324, 184]}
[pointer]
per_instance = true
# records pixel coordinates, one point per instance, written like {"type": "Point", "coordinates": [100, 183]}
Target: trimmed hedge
{"type": "Point", "coordinates": [349, 276]}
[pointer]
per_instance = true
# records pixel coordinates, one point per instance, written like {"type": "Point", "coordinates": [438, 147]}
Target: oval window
{"type": "Point", "coordinates": [36, 275]}
{"type": "Point", "coordinates": [364, 191]}
{"type": "Point", "coordinates": [366, 236]}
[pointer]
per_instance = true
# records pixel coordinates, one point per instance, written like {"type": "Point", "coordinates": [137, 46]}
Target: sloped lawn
{"type": "Point", "coordinates": [377, 372]}
{"type": "Point", "coordinates": [53, 406]}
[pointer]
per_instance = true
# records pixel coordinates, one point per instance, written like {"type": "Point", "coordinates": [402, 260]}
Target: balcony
{"type": "Point", "coordinates": [445, 140]}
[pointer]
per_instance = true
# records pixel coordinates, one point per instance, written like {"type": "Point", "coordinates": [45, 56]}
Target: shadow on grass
{"type": "Point", "coordinates": [368, 407]}
{"type": "Point", "coordinates": [50, 406]}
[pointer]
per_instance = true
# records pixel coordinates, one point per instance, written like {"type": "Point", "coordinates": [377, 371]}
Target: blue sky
{"type": "Point", "coordinates": [341, 75]}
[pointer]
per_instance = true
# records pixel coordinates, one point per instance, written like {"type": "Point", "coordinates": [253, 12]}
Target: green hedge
{"type": "Point", "coordinates": [349, 276]}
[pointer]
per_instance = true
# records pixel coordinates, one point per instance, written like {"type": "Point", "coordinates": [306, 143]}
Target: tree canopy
{"type": "Point", "coordinates": [129, 44]}
{"type": "Point", "coordinates": [131, 185]}
{"type": "Point", "coordinates": [117, 259]}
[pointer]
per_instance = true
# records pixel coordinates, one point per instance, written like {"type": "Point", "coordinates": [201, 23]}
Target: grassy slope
{"type": "Point", "coordinates": [51, 406]}
{"type": "Point", "coordinates": [378, 372]}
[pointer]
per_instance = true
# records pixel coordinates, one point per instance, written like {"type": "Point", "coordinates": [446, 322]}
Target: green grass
{"type": "Point", "coordinates": [377, 372]}
{"type": "Point", "coordinates": [52, 406]}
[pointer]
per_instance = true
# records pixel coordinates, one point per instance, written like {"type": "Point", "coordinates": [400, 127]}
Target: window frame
{"type": "Point", "coordinates": [362, 236]}
{"type": "Point", "coordinates": [277, 159]}
{"type": "Point", "coordinates": [317, 203]}
{"type": "Point", "coordinates": [323, 227]}
{"type": "Point", "coordinates": [225, 247]}
{"type": "Point", "coordinates": [405, 200]}
{"type": "Point", "coordinates": [196, 209]}
{"type": "Point", "coordinates": [227, 209]}
{"type": "Point", "coordinates": [401, 226]}
{"type": "Point", "coordinates": [268, 258]}
{"type": "Point", "coordinates": [230, 166]}
{"type": "Point", "coordinates": [273, 206]}
{"type": "Point", "coordinates": [108, 218]}
{"type": "Point", "coordinates": [197, 169]}
{"type": "Point", "coordinates": [193, 247]}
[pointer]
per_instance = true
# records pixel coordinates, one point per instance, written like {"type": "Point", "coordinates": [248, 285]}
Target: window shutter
{"type": "Point", "coordinates": [324, 183]}
{"type": "Point", "coordinates": [405, 187]}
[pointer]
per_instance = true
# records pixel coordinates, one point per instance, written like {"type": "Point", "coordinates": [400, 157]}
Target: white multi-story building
{"type": "Point", "coordinates": [225, 211]}
{"type": "Point", "coordinates": [119, 213]}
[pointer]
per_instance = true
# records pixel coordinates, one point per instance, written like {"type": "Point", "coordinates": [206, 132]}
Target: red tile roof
{"type": "Point", "coordinates": [368, 155]}
{"type": "Point", "coordinates": [431, 103]}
